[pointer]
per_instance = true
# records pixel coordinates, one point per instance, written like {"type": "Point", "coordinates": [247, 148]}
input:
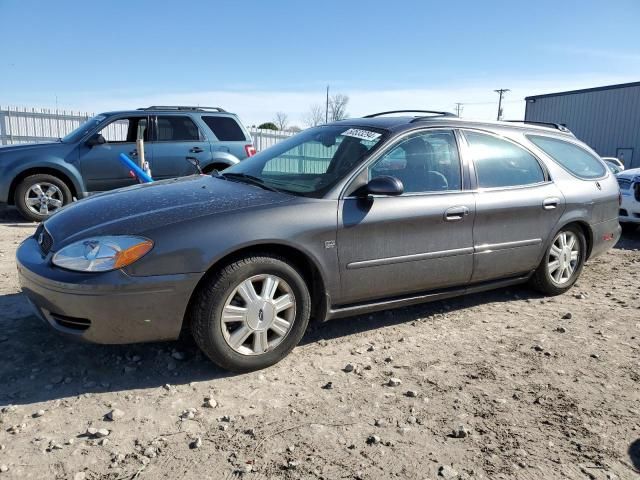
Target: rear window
{"type": "Point", "coordinates": [572, 157]}
{"type": "Point", "coordinates": [226, 129]}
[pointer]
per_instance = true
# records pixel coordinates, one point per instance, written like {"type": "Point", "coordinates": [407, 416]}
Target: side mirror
{"type": "Point", "coordinates": [384, 185]}
{"type": "Point", "coordinates": [95, 139]}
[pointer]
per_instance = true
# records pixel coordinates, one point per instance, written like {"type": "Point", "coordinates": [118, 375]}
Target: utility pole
{"type": "Point", "coordinates": [459, 108]}
{"type": "Point", "coordinates": [500, 92]}
{"type": "Point", "coordinates": [326, 111]}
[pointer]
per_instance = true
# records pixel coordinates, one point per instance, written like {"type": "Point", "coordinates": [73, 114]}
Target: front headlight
{"type": "Point", "coordinates": [101, 254]}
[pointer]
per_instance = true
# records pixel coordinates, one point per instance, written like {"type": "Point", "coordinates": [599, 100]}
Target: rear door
{"type": "Point", "coordinates": [517, 206]}
{"type": "Point", "coordinates": [176, 137]}
{"type": "Point", "coordinates": [101, 166]}
{"type": "Point", "coordinates": [418, 241]}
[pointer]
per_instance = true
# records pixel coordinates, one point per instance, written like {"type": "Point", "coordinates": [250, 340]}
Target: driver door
{"type": "Point", "coordinates": [100, 164]}
{"type": "Point", "coordinates": [422, 240]}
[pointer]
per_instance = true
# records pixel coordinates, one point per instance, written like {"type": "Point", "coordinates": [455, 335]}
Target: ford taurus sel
{"type": "Point", "coordinates": [351, 217]}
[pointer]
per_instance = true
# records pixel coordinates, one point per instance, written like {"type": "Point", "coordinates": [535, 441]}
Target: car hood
{"type": "Point", "coordinates": [630, 174]}
{"type": "Point", "coordinates": [134, 210]}
{"type": "Point", "coordinates": [26, 147]}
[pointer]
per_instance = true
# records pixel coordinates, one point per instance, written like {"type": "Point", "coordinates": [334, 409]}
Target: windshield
{"type": "Point", "coordinates": [83, 129]}
{"type": "Point", "coordinates": [311, 162]}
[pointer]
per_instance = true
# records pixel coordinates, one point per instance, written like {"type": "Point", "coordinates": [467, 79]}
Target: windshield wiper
{"type": "Point", "coordinates": [250, 179]}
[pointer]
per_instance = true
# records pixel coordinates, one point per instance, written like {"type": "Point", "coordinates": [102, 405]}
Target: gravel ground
{"type": "Point", "coordinates": [505, 384]}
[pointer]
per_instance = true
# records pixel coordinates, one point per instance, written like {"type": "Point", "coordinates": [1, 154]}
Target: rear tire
{"type": "Point", "coordinates": [628, 228]}
{"type": "Point", "coordinates": [39, 196]}
{"type": "Point", "coordinates": [254, 334]}
{"type": "Point", "coordinates": [562, 263]}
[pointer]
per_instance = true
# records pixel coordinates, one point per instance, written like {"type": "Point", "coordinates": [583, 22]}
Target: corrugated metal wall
{"type": "Point", "coordinates": [607, 120]}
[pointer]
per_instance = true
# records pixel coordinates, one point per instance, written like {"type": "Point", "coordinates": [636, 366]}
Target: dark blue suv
{"type": "Point", "coordinates": [40, 178]}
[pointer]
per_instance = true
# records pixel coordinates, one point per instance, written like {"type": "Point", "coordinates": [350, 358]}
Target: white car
{"type": "Point", "coordinates": [614, 161]}
{"type": "Point", "coordinates": [629, 182]}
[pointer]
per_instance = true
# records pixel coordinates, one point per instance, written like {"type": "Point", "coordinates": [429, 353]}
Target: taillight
{"type": "Point", "coordinates": [250, 150]}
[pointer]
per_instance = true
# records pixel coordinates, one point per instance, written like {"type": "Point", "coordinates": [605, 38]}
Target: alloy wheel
{"type": "Point", "coordinates": [564, 257]}
{"type": "Point", "coordinates": [254, 323]}
{"type": "Point", "coordinates": [43, 198]}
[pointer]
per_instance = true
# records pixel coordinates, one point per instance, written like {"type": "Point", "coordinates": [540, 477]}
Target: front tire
{"type": "Point", "coordinates": [251, 313]}
{"type": "Point", "coordinates": [562, 263]}
{"type": "Point", "coordinates": [39, 196]}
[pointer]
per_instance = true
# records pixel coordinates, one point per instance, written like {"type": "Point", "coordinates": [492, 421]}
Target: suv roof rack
{"type": "Point", "coordinates": [557, 126]}
{"type": "Point", "coordinates": [434, 112]}
{"type": "Point", "coordinates": [183, 108]}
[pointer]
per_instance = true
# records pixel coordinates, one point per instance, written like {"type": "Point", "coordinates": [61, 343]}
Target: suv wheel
{"type": "Point", "coordinates": [251, 313]}
{"type": "Point", "coordinates": [39, 196]}
{"type": "Point", "coordinates": [562, 263]}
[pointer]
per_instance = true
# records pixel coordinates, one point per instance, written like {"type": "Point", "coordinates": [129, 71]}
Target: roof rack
{"type": "Point", "coordinates": [557, 126]}
{"type": "Point", "coordinates": [181, 108]}
{"type": "Point", "coordinates": [434, 112]}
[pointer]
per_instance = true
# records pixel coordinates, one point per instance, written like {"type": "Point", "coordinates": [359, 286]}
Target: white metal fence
{"type": "Point", "coordinates": [31, 125]}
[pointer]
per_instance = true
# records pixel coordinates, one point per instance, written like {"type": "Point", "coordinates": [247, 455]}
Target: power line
{"type": "Point", "coordinates": [500, 92]}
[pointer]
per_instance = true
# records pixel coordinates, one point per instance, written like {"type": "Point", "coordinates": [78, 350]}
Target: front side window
{"type": "Point", "coordinates": [176, 128]}
{"type": "Point", "coordinates": [425, 162]}
{"type": "Point", "coordinates": [125, 130]}
{"type": "Point", "coordinates": [226, 129]}
{"type": "Point", "coordinates": [500, 163]}
{"type": "Point", "coordinates": [311, 162]}
{"type": "Point", "coordinates": [573, 158]}
{"type": "Point", "coordinates": [83, 129]}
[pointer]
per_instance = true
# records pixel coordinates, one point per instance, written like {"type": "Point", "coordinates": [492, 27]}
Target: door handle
{"type": "Point", "coordinates": [133, 153]}
{"type": "Point", "coordinates": [455, 214]}
{"type": "Point", "coordinates": [196, 150]}
{"type": "Point", "coordinates": [550, 203]}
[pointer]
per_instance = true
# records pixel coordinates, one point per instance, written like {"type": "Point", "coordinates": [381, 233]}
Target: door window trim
{"type": "Point", "coordinates": [392, 145]}
{"type": "Point", "coordinates": [201, 137]}
{"type": "Point", "coordinates": [115, 118]}
{"type": "Point", "coordinates": [472, 166]}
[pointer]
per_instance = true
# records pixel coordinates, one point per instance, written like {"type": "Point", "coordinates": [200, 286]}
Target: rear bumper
{"type": "Point", "coordinates": [110, 307]}
{"type": "Point", "coordinates": [605, 236]}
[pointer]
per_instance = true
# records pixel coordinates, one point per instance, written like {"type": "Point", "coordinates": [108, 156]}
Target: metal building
{"type": "Point", "coordinates": [606, 118]}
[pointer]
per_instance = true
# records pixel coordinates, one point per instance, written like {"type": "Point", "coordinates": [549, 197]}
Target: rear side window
{"type": "Point", "coordinates": [500, 163]}
{"type": "Point", "coordinates": [176, 129]}
{"type": "Point", "coordinates": [573, 158]}
{"type": "Point", "coordinates": [226, 129]}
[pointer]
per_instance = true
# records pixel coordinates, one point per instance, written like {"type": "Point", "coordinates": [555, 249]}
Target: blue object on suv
{"type": "Point", "coordinates": [40, 178]}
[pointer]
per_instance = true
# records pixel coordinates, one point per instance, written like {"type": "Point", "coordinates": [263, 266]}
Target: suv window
{"type": "Point", "coordinates": [226, 129]}
{"type": "Point", "coordinates": [125, 130]}
{"type": "Point", "coordinates": [500, 163]}
{"type": "Point", "coordinates": [427, 162]}
{"type": "Point", "coordinates": [176, 128]}
{"type": "Point", "coordinates": [572, 157]}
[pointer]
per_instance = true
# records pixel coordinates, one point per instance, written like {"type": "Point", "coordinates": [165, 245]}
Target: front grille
{"type": "Point", "coordinates": [72, 323]}
{"type": "Point", "coordinates": [44, 239]}
{"type": "Point", "coordinates": [624, 183]}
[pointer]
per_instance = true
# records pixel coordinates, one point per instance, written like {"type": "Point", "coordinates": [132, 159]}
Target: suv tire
{"type": "Point", "coordinates": [251, 313]}
{"type": "Point", "coordinates": [562, 263]}
{"type": "Point", "coordinates": [38, 196]}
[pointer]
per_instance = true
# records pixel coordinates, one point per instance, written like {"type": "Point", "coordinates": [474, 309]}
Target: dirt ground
{"type": "Point", "coordinates": [499, 385]}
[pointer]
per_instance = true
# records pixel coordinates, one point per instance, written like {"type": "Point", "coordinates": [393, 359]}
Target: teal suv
{"type": "Point", "coordinates": [41, 178]}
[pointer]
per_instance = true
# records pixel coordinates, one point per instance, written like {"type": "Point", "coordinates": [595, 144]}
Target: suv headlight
{"type": "Point", "coordinates": [101, 254]}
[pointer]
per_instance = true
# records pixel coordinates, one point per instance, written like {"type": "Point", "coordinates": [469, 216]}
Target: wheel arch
{"type": "Point", "coordinates": [66, 177]}
{"type": "Point", "coordinates": [583, 226]}
{"type": "Point", "coordinates": [309, 269]}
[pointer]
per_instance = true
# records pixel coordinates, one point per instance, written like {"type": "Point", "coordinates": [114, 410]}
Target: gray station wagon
{"type": "Point", "coordinates": [41, 178]}
{"type": "Point", "coordinates": [354, 216]}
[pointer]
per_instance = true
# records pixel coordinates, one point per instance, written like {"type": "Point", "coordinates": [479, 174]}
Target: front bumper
{"type": "Point", "coordinates": [630, 208]}
{"type": "Point", "coordinates": [110, 307]}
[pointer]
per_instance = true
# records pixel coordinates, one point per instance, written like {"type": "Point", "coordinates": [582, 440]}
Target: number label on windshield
{"type": "Point", "coordinates": [361, 134]}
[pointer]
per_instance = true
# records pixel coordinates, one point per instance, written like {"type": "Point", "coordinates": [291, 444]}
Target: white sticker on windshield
{"type": "Point", "coordinates": [361, 134]}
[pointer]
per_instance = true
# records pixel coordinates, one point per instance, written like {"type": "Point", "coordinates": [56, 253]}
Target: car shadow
{"type": "Point", "coordinates": [10, 217]}
{"type": "Point", "coordinates": [634, 454]}
{"type": "Point", "coordinates": [629, 241]}
{"type": "Point", "coordinates": [40, 365]}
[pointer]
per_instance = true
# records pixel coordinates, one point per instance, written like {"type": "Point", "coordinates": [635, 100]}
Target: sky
{"type": "Point", "coordinates": [257, 58]}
